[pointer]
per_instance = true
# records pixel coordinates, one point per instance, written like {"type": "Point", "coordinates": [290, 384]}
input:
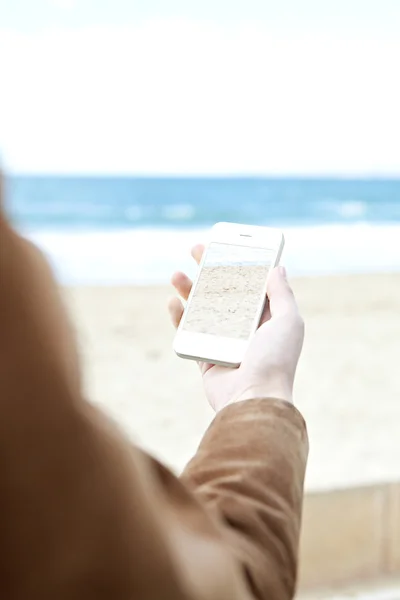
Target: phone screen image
{"type": "Point", "coordinates": [229, 290]}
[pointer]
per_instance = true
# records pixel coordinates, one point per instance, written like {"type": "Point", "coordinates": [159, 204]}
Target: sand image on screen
{"type": "Point", "coordinates": [229, 291]}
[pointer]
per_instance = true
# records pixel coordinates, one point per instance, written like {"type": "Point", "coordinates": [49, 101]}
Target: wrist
{"type": "Point", "coordinates": [278, 392]}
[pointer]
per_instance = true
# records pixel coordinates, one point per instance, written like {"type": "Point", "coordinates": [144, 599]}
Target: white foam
{"type": "Point", "coordinates": [150, 256]}
{"type": "Point", "coordinates": [62, 209]}
{"type": "Point", "coordinates": [354, 209]}
{"type": "Point", "coordinates": [346, 210]}
{"type": "Point", "coordinates": [179, 212]}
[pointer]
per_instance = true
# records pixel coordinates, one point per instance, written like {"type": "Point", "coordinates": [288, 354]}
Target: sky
{"type": "Point", "coordinates": [213, 87]}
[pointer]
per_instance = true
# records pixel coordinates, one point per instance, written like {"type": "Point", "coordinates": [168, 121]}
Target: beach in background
{"type": "Point", "coordinates": [114, 243]}
{"type": "Point", "coordinates": [113, 230]}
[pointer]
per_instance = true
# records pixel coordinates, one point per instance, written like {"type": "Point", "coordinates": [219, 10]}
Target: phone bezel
{"type": "Point", "coordinates": [216, 349]}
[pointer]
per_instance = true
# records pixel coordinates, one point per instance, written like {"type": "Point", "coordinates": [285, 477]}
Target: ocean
{"type": "Point", "coordinates": [129, 230]}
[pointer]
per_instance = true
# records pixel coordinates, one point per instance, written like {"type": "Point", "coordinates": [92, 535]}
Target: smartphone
{"type": "Point", "coordinates": [228, 295]}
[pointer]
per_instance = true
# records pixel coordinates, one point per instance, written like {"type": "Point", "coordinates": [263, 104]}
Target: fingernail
{"type": "Point", "coordinates": [283, 272]}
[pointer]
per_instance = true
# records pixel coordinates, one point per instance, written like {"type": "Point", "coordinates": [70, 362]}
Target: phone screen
{"type": "Point", "coordinates": [229, 290]}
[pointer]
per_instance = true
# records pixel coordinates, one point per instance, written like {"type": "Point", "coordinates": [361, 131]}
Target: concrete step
{"type": "Point", "coordinates": [388, 589]}
{"type": "Point", "coordinates": [350, 535]}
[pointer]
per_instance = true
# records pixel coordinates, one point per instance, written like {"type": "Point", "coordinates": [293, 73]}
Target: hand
{"type": "Point", "coordinates": [269, 366]}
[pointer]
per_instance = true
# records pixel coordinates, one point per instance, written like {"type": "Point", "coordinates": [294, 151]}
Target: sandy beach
{"type": "Point", "coordinates": [226, 299]}
{"type": "Point", "coordinates": [348, 384]}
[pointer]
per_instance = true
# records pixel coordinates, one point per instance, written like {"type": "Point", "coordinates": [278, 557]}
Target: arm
{"type": "Point", "coordinates": [84, 516]}
{"type": "Point", "coordinates": [250, 470]}
{"type": "Point", "coordinates": [250, 465]}
{"type": "Point", "coordinates": [233, 520]}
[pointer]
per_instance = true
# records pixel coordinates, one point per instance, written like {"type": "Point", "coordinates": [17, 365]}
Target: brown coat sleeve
{"type": "Point", "coordinates": [250, 470]}
{"type": "Point", "coordinates": [83, 516]}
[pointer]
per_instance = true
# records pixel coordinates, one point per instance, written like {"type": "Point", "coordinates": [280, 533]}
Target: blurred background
{"type": "Point", "coordinates": [159, 117]}
{"type": "Point", "coordinates": [127, 128]}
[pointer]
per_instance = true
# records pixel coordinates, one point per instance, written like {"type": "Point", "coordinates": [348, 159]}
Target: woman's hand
{"type": "Point", "coordinates": [269, 366]}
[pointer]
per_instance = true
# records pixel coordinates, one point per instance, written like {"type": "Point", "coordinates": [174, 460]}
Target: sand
{"type": "Point", "coordinates": [348, 384]}
{"type": "Point", "coordinates": [226, 300]}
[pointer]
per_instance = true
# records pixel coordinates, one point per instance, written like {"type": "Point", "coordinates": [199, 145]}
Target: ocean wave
{"type": "Point", "coordinates": [46, 211]}
{"type": "Point", "coordinates": [179, 212]}
{"type": "Point", "coordinates": [117, 203]}
{"type": "Point", "coordinates": [143, 256]}
{"type": "Point", "coordinates": [349, 209]}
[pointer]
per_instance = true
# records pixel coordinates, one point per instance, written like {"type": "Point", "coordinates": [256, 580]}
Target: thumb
{"type": "Point", "coordinates": [280, 294]}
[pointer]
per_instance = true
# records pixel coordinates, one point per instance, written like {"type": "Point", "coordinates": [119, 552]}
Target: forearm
{"type": "Point", "coordinates": [250, 468]}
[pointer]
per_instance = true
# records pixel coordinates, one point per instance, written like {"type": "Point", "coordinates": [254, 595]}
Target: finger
{"type": "Point", "coordinates": [205, 367]}
{"type": "Point", "coordinates": [266, 314]}
{"type": "Point", "coordinates": [280, 294]}
{"type": "Point", "coordinates": [182, 283]}
{"type": "Point", "coordinates": [175, 308]}
{"type": "Point", "coordinates": [197, 252]}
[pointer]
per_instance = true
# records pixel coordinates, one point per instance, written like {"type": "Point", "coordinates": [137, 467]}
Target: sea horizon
{"type": "Point", "coordinates": [112, 230]}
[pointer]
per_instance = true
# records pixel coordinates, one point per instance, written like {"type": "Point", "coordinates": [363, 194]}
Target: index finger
{"type": "Point", "coordinates": [197, 252]}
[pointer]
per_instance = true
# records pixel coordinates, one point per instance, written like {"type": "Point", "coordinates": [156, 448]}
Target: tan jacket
{"type": "Point", "coordinates": [86, 516]}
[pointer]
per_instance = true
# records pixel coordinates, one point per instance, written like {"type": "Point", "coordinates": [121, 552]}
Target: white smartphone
{"type": "Point", "coordinates": [228, 296]}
